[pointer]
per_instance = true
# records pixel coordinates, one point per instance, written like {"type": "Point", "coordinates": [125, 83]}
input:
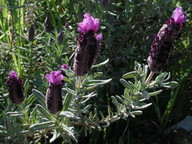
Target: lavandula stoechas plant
{"type": "Point", "coordinates": [53, 94]}
{"type": "Point", "coordinates": [15, 87]}
{"type": "Point", "coordinates": [88, 45]}
{"type": "Point", "coordinates": [162, 45]}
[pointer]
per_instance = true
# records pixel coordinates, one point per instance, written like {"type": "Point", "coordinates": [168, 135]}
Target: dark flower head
{"type": "Point", "coordinates": [48, 25]}
{"type": "Point", "coordinates": [60, 37]}
{"type": "Point", "coordinates": [31, 33]}
{"type": "Point", "coordinates": [88, 45]}
{"type": "Point", "coordinates": [53, 95]}
{"type": "Point", "coordinates": [105, 3]}
{"type": "Point", "coordinates": [15, 87]}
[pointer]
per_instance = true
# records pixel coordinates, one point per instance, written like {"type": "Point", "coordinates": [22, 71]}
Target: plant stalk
{"type": "Point", "coordinates": [78, 82]}
{"type": "Point", "coordinates": [149, 78]}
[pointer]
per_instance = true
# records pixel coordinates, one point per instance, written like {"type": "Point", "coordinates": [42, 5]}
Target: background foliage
{"type": "Point", "coordinates": [128, 27]}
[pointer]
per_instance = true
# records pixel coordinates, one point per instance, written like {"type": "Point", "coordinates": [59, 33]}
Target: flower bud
{"type": "Point", "coordinates": [66, 25]}
{"type": "Point", "coordinates": [48, 25]}
{"type": "Point", "coordinates": [60, 38]}
{"type": "Point", "coordinates": [15, 88]}
{"type": "Point", "coordinates": [53, 95]}
{"type": "Point", "coordinates": [31, 33]}
{"type": "Point", "coordinates": [105, 3]}
{"type": "Point", "coordinates": [64, 66]}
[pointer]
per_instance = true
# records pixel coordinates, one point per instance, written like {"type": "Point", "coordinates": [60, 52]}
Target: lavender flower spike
{"type": "Point", "coordinates": [178, 16]}
{"type": "Point", "coordinates": [88, 45]}
{"type": "Point", "coordinates": [162, 46]}
{"type": "Point", "coordinates": [53, 94]}
{"type": "Point", "coordinates": [15, 88]}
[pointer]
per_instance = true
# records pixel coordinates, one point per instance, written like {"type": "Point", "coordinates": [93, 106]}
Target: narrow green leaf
{"type": "Point", "coordinates": [97, 74]}
{"type": "Point", "coordinates": [100, 64]}
{"type": "Point", "coordinates": [14, 114]}
{"type": "Point", "coordinates": [155, 93]}
{"type": "Point", "coordinates": [67, 101]}
{"type": "Point", "coordinates": [44, 112]}
{"type": "Point", "coordinates": [143, 106]}
{"type": "Point", "coordinates": [126, 84]}
{"type": "Point", "coordinates": [137, 112]}
{"type": "Point", "coordinates": [55, 136]}
{"type": "Point", "coordinates": [69, 131]}
{"type": "Point", "coordinates": [30, 100]}
{"type": "Point", "coordinates": [68, 80]}
{"type": "Point", "coordinates": [120, 99]}
{"type": "Point", "coordinates": [145, 94]}
{"type": "Point", "coordinates": [170, 104]}
{"type": "Point", "coordinates": [43, 125]}
{"type": "Point", "coordinates": [97, 82]}
{"type": "Point", "coordinates": [69, 91]}
{"type": "Point", "coordinates": [111, 13]}
{"type": "Point", "coordinates": [130, 75]}
{"type": "Point", "coordinates": [3, 130]}
{"type": "Point", "coordinates": [69, 114]}
{"type": "Point", "coordinates": [39, 96]}
{"type": "Point", "coordinates": [116, 103]}
{"type": "Point", "coordinates": [171, 84]}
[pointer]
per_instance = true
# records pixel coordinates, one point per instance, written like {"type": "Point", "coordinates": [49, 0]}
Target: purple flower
{"type": "Point", "coordinates": [53, 94]}
{"type": "Point", "coordinates": [178, 16]}
{"type": "Point", "coordinates": [88, 45]}
{"type": "Point", "coordinates": [13, 74]}
{"type": "Point", "coordinates": [162, 46]}
{"type": "Point", "coordinates": [89, 23]}
{"type": "Point", "coordinates": [55, 77]}
{"type": "Point", "coordinates": [64, 66]}
{"type": "Point", "coordinates": [15, 87]}
{"type": "Point", "coordinates": [99, 37]}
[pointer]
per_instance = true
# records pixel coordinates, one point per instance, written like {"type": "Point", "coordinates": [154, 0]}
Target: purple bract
{"type": "Point", "coordinates": [64, 66]}
{"type": "Point", "coordinates": [13, 74]}
{"type": "Point", "coordinates": [55, 77]}
{"type": "Point", "coordinates": [178, 16]}
{"type": "Point", "coordinates": [88, 23]}
{"type": "Point", "coordinates": [99, 37]}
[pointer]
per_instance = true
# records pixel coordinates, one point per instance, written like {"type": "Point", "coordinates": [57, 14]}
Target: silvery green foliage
{"type": "Point", "coordinates": [78, 114]}
{"type": "Point", "coordinates": [138, 91]}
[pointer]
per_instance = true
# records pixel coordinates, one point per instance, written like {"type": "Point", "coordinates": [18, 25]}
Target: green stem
{"type": "Point", "coordinates": [78, 85]}
{"type": "Point", "coordinates": [31, 58]}
{"type": "Point", "coordinates": [149, 78]}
